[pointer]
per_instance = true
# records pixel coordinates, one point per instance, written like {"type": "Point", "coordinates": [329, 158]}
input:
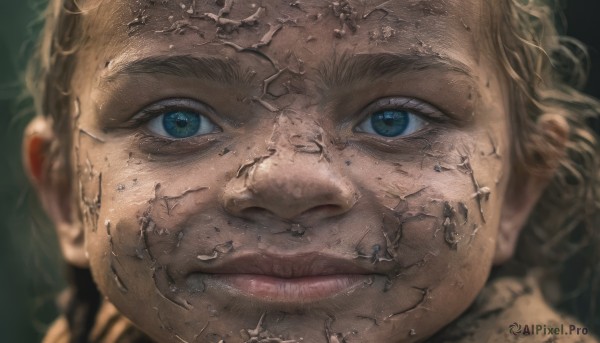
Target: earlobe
{"type": "Point", "coordinates": [524, 191]}
{"type": "Point", "coordinates": [48, 175]}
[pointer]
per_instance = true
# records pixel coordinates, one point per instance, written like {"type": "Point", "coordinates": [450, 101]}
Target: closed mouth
{"type": "Point", "coordinates": [299, 278]}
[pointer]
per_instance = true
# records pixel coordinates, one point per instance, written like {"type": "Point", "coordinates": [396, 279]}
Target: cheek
{"type": "Point", "coordinates": [113, 243]}
{"type": "Point", "coordinates": [137, 230]}
{"type": "Point", "coordinates": [439, 224]}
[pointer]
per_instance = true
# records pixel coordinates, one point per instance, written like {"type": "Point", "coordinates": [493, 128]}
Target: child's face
{"type": "Point", "coordinates": [339, 182]}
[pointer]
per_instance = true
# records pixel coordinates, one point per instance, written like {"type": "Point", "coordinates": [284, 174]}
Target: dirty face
{"type": "Point", "coordinates": [294, 170]}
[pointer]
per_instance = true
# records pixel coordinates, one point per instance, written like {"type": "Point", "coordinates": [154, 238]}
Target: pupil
{"type": "Point", "coordinates": [181, 124]}
{"type": "Point", "coordinates": [390, 123]}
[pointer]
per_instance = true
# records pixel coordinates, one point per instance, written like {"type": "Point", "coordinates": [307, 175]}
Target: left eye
{"type": "Point", "coordinates": [181, 124]}
{"type": "Point", "coordinates": [392, 123]}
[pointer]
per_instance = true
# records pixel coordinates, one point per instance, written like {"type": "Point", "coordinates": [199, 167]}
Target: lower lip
{"type": "Point", "coordinates": [293, 290]}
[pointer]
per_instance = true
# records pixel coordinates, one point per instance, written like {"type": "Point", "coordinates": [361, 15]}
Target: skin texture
{"type": "Point", "coordinates": [287, 172]}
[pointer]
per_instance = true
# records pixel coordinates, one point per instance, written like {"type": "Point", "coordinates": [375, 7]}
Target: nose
{"type": "Point", "coordinates": [289, 189]}
{"type": "Point", "coordinates": [291, 184]}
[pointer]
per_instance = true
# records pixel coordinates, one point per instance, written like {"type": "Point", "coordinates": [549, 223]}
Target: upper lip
{"type": "Point", "coordinates": [284, 266]}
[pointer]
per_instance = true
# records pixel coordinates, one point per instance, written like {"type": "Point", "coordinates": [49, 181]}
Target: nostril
{"type": "Point", "coordinates": [328, 210]}
{"type": "Point", "coordinates": [256, 212]}
{"type": "Point", "coordinates": [320, 211]}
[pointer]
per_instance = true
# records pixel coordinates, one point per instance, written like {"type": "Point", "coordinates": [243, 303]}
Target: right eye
{"type": "Point", "coordinates": [180, 124]}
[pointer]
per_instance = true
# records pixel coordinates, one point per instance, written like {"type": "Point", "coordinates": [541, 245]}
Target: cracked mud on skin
{"type": "Point", "coordinates": [290, 219]}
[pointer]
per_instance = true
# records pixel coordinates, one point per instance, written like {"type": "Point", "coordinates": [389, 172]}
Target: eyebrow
{"type": "Point", "coordinates": [345, 69]}
{"type": "Point", "coordinates": [223, 70]}
{"type": "Point", "coordinates": [339, 71]}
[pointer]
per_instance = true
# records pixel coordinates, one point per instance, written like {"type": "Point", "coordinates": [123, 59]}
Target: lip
{"type": "Point", "coordinates": [298, 278]}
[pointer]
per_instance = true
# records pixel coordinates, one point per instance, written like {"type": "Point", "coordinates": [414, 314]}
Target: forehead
{"type": "Point", "coordinates": [310, 30]}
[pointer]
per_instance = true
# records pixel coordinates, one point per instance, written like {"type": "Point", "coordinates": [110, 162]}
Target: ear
{"type": "Point", "coordinates": [525, 189]}
{"type": "Point", "coordinates": [48, 174]}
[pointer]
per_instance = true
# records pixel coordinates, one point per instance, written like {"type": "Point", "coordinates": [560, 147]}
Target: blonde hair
{"type": "Point", "coordinates": [546, 72]}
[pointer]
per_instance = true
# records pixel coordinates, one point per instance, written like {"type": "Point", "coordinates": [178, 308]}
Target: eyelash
{"type": "Point", "coordinates": [152, 143]}
{"type": "Point", "coordinates": [171, 105]}
{"type": "Point", "coordinates": [419, 107]}
{"type": "Point", "coordinates": [424, 110]}
{"type": "Point", "coordinates": [417, 140]}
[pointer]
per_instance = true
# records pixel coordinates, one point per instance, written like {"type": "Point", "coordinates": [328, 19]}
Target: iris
{"type": "Point", "coordinates": [181, 124]}
{"type": "Point", "coordinates": [390, 123]}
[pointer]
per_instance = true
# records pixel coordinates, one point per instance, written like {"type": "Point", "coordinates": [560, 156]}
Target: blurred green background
{"type": "Point", "coordinates": [29, 262]}
{"type": "Point", "coordinates": [31, 272]}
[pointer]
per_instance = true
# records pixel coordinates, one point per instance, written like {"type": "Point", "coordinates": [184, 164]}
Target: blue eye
{"type": "Point", "coordinates": [389, 123]}
{"type": "Point", "coordinates": [392, 123]}
{"type": "Point", "coordinates": [181, 124]}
